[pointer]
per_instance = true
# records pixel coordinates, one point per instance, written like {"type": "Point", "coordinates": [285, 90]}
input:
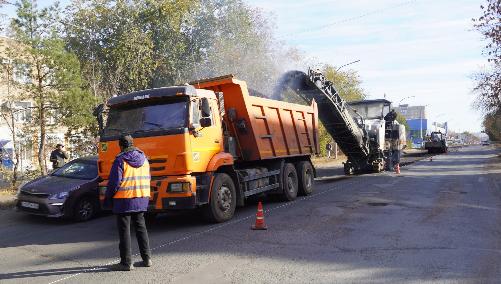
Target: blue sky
{"type": "Point", "coordinates": [427, 49]}
{"type": "Point", "coordinates": [423, 49]}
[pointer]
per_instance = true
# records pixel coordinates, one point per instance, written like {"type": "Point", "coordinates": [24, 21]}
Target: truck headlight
{"type": "Point", "coordinates": [179, 187]}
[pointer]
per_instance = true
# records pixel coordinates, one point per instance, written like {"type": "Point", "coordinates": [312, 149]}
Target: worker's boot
{"type": "Point", "coordinates": [147, 262]}
{"type": "Point", "coordinates": [121, 267]}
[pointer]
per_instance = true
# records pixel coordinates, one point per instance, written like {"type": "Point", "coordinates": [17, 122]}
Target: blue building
{"type": "Point", "coordinates": [417, 130]}
{"type": "Point", "coordinates": [418, 124]}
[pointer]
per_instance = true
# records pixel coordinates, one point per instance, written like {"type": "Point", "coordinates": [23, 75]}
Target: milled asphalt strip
{"type": "Point", "coordinates": [214, 228]}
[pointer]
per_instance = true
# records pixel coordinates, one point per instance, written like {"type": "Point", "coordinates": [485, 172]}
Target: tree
{"type": "Point", "coordinates": [347, 83]}
{"type": "Point", "coordinates": [55, 72]}
{"type": "Point", "coordinates": [488, 87]}
{"type": "Point", "coordinates": [8, 108]}
{"type": "Point", "coordinates": [125, 46]}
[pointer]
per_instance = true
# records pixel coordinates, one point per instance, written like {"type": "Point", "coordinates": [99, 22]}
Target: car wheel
{"type": "Point", "coordinates": [85, 209]}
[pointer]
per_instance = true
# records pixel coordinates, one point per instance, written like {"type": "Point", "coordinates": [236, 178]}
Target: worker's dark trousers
{"type": "Point", "coordinates": [123, 224]}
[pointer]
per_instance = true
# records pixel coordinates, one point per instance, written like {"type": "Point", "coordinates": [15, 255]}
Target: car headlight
{"type": "Point", "coordinates": [60, 195]}
{"type": "Point", "coordinates": [179, 187]}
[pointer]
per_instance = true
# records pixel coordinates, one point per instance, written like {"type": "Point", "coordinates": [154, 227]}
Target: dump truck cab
{"type": "Point", "coordinates": [178, 130]}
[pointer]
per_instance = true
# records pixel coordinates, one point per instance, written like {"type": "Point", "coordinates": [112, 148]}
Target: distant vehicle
{"type": "Point", "coordinates": [70, 192]}
{"type": "Point", "coordinates": [437, 143]}
{"type": "Point", "coordinates": [485, 143]}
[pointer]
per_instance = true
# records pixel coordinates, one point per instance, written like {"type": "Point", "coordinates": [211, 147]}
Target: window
{"type": "Point", "coordinates": [22, 112]}
{"type": "Point", "coordinates": [144, 118]}
{"type": "Point", "coordinates": [78, 170]}
{"type": "Point", "coordinates": [22, 73]}
{"type": "Point", "coordinates": [195, 113]}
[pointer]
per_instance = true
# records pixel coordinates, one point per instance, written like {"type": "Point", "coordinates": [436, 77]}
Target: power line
{"type": "Point", "coordinates": [346, 20]}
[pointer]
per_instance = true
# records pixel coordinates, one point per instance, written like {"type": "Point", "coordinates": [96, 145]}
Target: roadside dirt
{"type": "Point", "coordinates": [7, 199]}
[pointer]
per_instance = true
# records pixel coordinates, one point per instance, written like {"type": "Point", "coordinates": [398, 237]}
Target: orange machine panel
{"type": "Point", "coordinates": [265, 128]}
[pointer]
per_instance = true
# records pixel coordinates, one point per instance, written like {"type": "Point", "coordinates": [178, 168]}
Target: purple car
{"type": "Point", "coordinates": [70, 192]}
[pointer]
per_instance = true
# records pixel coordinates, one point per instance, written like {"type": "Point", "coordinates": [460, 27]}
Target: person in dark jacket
{"type": "Point", "coordinates": [58, 156]}
{"type": "Point", "coordinates": [129, 191]}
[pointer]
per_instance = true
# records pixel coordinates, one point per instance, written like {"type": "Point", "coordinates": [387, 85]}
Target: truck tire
{"type": "Point", "coordinates": [348, 169]}
{"type": "Point", "coordinates": [305, 177]}
{"type": "Point", "coordinates": [223, 200]}
{"type": "Point", "coordinates": [289, 182]}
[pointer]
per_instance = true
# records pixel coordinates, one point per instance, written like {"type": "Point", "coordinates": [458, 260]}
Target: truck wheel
{"type": "Point", "coordinates": [348, 169]}
{"type": "Point", "coordinates": [305, 177]}
{"type": "Point", "coordinates": [289, 182]}
{"type": "Point", "coordinates": [222, 201]}
{"type": "Point", "coordinates": [85, 208]}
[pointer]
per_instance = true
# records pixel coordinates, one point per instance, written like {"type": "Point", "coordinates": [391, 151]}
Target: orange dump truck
{"type": "Point", "coordinates": [212, 145]}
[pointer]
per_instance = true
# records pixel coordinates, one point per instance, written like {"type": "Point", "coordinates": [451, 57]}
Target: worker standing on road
{"type": "Point", "coordinates": [129, 191]}
{"type": "Point", "coordinates": [58, 156]}
{"type": "Point", "coordinates": [328, 148]}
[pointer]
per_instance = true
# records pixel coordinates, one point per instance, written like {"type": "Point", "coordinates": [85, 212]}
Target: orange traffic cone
{"type": "Point", "coordinates": [260, 225]}
{"type": "Point", "coordinates": [397, 169]}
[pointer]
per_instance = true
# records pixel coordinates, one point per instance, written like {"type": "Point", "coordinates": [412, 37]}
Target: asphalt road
{"type": "Point", "coordinates": [436, 222]}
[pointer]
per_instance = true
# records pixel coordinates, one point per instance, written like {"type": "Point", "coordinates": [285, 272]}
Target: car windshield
{"type": "Point", "coordinates": [77, 170]}
{"type": "Point", "coordinates": [144, 118]}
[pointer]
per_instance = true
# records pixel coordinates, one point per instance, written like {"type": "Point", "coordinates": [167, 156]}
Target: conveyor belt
{"type": "Point", "coordinates": [350, 137]}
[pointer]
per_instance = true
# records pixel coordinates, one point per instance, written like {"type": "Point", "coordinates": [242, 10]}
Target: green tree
{"type": "Point", "coordinates": [347, 83]}
{"type": "Point", "coordinates": [55, 72]}
{"type": "Point", "coordinates": [129, 45]}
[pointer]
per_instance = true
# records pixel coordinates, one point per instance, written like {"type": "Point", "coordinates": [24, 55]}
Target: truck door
{"type": "Point", "coordinates": [205, 132]}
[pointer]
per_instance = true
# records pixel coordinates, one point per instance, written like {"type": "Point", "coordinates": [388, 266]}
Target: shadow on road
{"type": "Point", "coordinates": [53, 272]}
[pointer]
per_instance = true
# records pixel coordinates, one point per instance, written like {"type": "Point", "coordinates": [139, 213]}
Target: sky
{"type": "Point", "coordinates": [416, 52]}
{"type": "Point", "coordinates": [420, 52]}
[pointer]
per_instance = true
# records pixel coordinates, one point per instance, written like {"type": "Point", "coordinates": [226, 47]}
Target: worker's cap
{"type": "Point", "coordinates": [59, 145]}
{"type": "Point", "coordinates": [125, 140]}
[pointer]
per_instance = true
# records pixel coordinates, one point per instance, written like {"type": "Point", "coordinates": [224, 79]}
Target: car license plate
{"type": "Point", "coordinates": [30, 205]}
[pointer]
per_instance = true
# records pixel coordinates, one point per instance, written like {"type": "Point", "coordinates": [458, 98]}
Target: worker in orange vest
{"type": "Point", "coordinates": [129, 192]}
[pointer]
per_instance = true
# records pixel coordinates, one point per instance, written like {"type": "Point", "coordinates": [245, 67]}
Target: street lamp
{"type": "Point", "coordinates": [405, 99]}
{"type": "Point", "coordinates": [353, 62]}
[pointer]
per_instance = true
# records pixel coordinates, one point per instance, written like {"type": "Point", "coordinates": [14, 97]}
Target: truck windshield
{"type": "Point", "coordinates": [145, 118]}
{"type": "Point", "coordinates": [370, 110]}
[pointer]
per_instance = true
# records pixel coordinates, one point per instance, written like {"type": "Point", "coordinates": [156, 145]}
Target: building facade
{"type": "Point", "coordinates": [16, 111]}
{"type": "Point", "coordinates": [417, 121]}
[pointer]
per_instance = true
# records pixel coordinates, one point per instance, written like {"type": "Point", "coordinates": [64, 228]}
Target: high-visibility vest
{"type": "Point", "coordinates": [135, 181]}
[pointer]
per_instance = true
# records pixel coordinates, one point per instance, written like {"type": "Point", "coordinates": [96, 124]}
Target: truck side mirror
{"type": "Point", "coordinates": [205, 122]}
{"type": "Point", "coordinates": [205, 108]}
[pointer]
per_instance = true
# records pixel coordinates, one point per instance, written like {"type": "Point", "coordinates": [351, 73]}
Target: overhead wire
{"type": "Point", "coordinates": [346, 20]}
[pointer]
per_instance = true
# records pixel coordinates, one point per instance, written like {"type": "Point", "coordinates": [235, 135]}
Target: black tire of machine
{"type": "Point", "coordinates": [85, 208]}
{"type": "Point", "coordinates": [223, 199]}
{"type": "Point", "coordinates": [289, 182]}
{"type": "Point", "coordinates": [305, 177]}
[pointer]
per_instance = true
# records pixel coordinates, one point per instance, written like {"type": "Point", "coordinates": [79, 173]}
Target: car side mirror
{"type": "Point", "coordinates": [205, 108]}
{"type": "Point", "coordinates": [205, 122]}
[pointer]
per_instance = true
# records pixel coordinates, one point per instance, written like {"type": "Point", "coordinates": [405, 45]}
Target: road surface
{"type": "Point", "coordinates": [436, 222]}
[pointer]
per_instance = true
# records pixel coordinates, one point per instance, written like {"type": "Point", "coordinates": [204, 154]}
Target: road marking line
{"type": "Point", "coordinates": [213, 228]}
